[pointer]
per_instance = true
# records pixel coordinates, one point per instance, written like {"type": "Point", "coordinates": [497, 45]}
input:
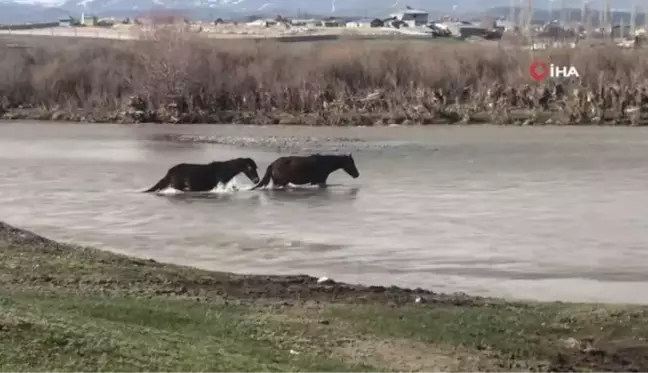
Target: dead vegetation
{"type": "Point", "coordinates": [173, 76]}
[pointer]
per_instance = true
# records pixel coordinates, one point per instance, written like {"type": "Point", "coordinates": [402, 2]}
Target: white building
{"type": "Point", "coordinates": [463, 29]}
{"type": "Point", "coordinates": [412, 17]}
{"type": "Point", "coordinates": [306, 22]}
{"type": "Point", "coordinates": [359, 23]}
{"type": "Point", "coordinates": [262, 23]}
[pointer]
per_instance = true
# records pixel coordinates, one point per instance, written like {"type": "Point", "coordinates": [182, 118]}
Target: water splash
{"type": "Point", "coordinates": [231, 187]}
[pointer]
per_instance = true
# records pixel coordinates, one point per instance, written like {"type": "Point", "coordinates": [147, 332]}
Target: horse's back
{"type": "Point", "coordinates": [184, 167]}
{"type": "Point", "coordinates": [295, 162]}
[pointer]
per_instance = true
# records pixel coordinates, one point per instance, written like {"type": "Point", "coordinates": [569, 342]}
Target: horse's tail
{"type": "Point", "coordinates": [265, 180]}
{"type": "Point", "coordinates": [164, 182]}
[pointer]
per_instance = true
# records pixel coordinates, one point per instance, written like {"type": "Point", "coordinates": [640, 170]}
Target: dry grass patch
{"type": "Point", "coordinates": [172, 76]}
{"type": "Point", "coordinates": [405, 355]}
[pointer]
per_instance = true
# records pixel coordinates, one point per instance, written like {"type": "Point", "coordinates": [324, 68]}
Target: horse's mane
{"type": "Point", "coordinates": [234, 161]}
{"type": "Point", "coordinates": [318, 155]}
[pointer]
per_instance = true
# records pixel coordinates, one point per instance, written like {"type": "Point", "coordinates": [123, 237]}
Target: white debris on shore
{"type": "Point", "coordinates": [324, 280]}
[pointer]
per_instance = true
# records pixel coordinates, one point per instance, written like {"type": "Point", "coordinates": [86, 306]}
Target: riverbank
{"type": "Point", "coordinates": [65, 307]}
{"type": "Point", "coordinates": [175, 77]}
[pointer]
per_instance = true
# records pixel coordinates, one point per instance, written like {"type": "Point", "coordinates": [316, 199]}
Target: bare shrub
{"type": "Point", "coordinates": [79, 76]}
{"type": "Point", "coordinates": [175, 70]}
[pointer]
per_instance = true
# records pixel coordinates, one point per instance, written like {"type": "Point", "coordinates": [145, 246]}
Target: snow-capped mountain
{"type": "Point", "coordinates": [369, 7]}
{"type": "Point", "coordinates": [18, 11]}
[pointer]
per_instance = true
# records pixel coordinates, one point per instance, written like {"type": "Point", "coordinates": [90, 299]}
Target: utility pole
{"type": "Point", "coordinates": [608, 20]}
{"type": "Point", "coordinates": [521, 18]}
{"type": "Point", "coordinates": [529, 19]}
{"type": "Point", "coordinates": [584, 20]}
{"type": "Point", "coordinates": [633, 22]}
{"type": "Point", "coordinates": [589, 20]}
{"type": "Point", "coordinates": [563, 13]}
{"type": "Point", "coordinates": [551, 11]}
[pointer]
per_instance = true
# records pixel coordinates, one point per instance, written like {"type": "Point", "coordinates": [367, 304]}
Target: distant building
{"type": "Point", "coordinates": [556, 31]}
{"type": "Point", "coordinates": [263, 23]}
{"type": "Point", "coordinates": [89, 21]}
{"type": "Point", "coordinates": [359, 23]}
{"type": "Point", "coordinates": [333, 22]}
{"type": "Point", "coordinates": [506, 24]}
{"type": "Point", "coordinates": [621, 31]}
{"type": "Point", "coordinates": [306, 22]}
{"type": "Point", "coordinates": [412, 17]}
{"type": "Point", "coordinates": [464, 29]}
{"type": "Point", "coordinates": [106, 22]}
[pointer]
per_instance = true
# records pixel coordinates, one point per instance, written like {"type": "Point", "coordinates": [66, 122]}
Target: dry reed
{"type": "Point", "coordinates": [173, 76]}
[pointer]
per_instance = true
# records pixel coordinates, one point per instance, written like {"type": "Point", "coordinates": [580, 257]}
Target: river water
{"type": "Point", "coordinates": [531, 213]}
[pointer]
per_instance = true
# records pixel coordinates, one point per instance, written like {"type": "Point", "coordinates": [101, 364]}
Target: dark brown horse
{"type": "Point", "coordinates": [313, 169]}
{"type": "Point", "coordinates": [205, 177]}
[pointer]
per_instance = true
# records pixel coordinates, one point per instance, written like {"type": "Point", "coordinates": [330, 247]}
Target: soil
{"type": "Point", "coordinates": [222, 285]}
{"type": "Point", "coordinates": [610, 359]}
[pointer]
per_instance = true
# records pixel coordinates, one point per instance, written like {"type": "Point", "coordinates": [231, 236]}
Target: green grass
{"type": "Point", "coordinates": [129, 334]}
{"type": "Point", "coordinates": [66, 308]}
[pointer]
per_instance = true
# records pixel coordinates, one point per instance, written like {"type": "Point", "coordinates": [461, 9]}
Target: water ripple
{"type": "Point", "coordinates": [524, 213]}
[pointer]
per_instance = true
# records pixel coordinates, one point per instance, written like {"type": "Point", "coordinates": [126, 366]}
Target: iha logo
{"type": "Point", "coordinates": [539, 71]}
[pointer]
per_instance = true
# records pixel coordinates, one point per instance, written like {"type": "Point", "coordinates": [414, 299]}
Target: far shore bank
{"type": "Point", "coordinates": [87, 310]}
{"type": "Point", "coordinates": [518, 118]}
{"type": "Point", "coordinates": [174, 77]}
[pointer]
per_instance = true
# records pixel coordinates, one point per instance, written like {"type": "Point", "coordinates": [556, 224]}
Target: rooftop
{"type": "Point", "coordinates": [411, 11]}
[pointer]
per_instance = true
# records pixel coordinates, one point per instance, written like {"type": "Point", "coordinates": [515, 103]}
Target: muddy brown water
{"type": "Point", "coordinates": [532, 213]}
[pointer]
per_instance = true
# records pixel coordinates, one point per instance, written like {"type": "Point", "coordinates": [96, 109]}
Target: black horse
{"type": "Point", "coordinates": [313, 169]}
{"type": "Point", "coordinates": [205, 177]}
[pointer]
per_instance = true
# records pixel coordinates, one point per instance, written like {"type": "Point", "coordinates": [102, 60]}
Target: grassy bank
{"type": "Point", "coordinates": [181, 78]}
{"type": "Point", "coordinates": [69, 308]}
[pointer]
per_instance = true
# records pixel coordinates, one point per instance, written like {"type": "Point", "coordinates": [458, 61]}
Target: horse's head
{"type": "Point", "coordinates": [348, 165]}
{"type": "Point", "coordinates": [250, 169]}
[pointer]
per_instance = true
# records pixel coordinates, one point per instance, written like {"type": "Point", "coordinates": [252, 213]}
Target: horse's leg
{"type": "Point", "coordinates": [226, 183]}
{"type": "Point", "coordinates": [198, 185]}
{"type": "Point", "coordinates": [279, 183]}
{"type": "Point", "coordinates": [178, 183]}
{"type": "Point", "coordinates": [321, 181]}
